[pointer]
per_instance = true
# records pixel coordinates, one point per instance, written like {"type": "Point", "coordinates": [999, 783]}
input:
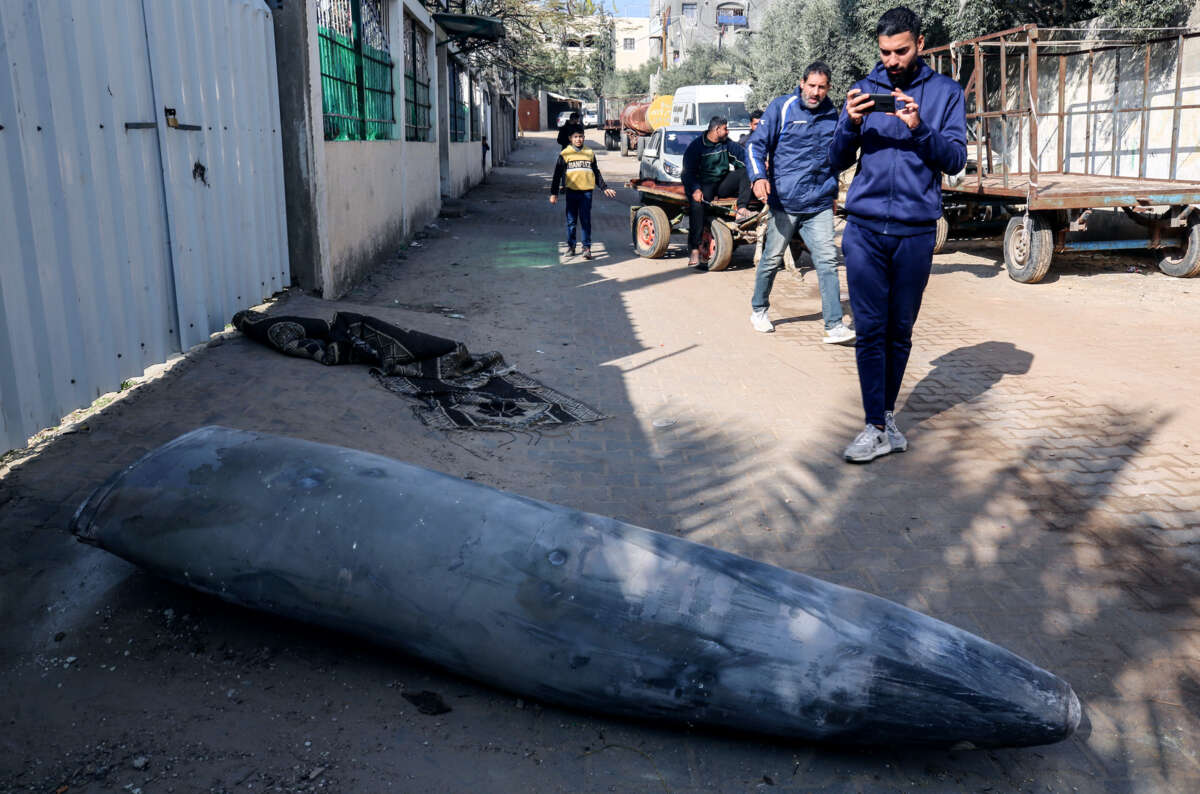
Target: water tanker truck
{"type": "Point", "coordinates": [635, 122]}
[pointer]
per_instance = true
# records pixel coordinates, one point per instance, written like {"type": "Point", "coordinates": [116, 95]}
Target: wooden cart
{"type": "Point", "coordinates": [1046, 209]}
{"type": "Point", "coordinates": [665, 206]}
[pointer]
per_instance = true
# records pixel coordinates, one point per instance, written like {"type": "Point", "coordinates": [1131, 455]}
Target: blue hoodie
{"type": "Point", "coordinates": [796, 140]}
{"type": "Point", "coordinates": [897, 189]}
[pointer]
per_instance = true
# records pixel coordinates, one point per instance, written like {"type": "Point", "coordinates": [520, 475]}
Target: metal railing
{"type": "Point", "coordinates": [356, 70]}
{"type": "Point", "coordinates": [984, 66]}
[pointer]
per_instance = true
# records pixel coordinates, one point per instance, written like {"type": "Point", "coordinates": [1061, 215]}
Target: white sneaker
{"type": "Point", "coordinates": [895, 437]}
{"type": "Point", "coordinates": [868, 445]}
{"type": "Point", "coordinates": [839, 335]}
{"type": "Point", "coordinates": [760, 322]}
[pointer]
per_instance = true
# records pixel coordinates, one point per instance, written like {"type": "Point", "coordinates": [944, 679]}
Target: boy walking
{"type": "Point", "coordinates": [576, 171]}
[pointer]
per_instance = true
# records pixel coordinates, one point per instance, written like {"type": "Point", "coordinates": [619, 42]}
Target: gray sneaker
{"type": "Point", "coordinates": [868, 445]}
{"type": "Point", "coordinates": [839, 335]}
{"type": "Point", "coordinates": [761, 322]}
{"type": "Point", "coordinates": [895, 437]}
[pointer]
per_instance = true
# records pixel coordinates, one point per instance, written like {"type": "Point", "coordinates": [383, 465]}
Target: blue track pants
{"type": "Point", "coordinates": [886, 276]}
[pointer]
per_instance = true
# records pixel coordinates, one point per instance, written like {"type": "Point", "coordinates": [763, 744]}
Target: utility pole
{"type": "Point", "coordinates": [666, 23]}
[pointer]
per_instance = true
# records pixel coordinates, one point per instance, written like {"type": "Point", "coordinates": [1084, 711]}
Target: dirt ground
{"type": "Point", "coordinates": [1049, 502]}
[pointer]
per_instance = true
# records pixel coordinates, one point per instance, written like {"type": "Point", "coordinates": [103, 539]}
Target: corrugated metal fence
{"type": "Point", "coordinates": [141, 190]}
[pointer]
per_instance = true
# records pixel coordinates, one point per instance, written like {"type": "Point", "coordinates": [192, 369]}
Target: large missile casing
{"type": "Point", "coordinates": [557, 604]}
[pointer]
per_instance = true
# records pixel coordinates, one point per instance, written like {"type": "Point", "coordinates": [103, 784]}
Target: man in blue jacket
{"type": "Point", "coordinates": [789, 166]}
{"type": "Point", "coordinates": [892, 210]}
{"type": "Point", "coordinates": [713, 167]}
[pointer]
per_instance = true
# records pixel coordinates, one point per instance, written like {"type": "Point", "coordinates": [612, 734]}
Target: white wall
{"type": "Point", "coordinates": [638, 29]}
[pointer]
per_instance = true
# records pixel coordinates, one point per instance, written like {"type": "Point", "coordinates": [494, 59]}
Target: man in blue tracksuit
{"type": "Point", "coordinates": [790, 171]}
{"type": "Point", "coordinates": [892, 210]}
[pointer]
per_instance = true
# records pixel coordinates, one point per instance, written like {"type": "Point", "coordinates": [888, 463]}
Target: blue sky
{"type": "Point", "coordinates": [630, 8]}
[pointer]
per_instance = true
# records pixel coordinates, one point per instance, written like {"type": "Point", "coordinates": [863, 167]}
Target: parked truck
{"type": "Point", "coordinates": [628, 121]}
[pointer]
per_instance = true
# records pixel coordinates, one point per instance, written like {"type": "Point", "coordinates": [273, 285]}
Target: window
{"type": "Point", "coordinates": [629, 44]}
{"type": "Point", "coordinates": [732, 15]}
{"type": "Point", "coordinates": [356, 70]}
{"type": "Point", "coordinates": [689, 12]}
{"type": "Point", "coordinates": [417, 105]}
{"type": "Point", "coordinates": [458, 105]}
{"type": "Point", "coordinates": [476, 96]}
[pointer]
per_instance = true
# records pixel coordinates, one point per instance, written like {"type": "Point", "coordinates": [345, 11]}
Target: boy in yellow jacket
{"type": "Point", "coordinates": [576, 170]}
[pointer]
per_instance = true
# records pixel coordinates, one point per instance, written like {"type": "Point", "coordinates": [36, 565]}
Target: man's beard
{"type": "Point", "coordinates": [902, 77]}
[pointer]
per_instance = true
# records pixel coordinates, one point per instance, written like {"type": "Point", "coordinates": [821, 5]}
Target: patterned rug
{"type": "Point", "coordinates": [452, 388]}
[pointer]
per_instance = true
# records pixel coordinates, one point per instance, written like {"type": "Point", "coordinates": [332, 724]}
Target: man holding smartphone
{"type": "Point", "coordinates": [892, 210]}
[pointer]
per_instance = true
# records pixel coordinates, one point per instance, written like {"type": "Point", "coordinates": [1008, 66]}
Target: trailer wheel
{"type": "Point", "coordinates": [716, 245]}
{"type": "Point", "coordinates": [624, 144]}
{"type": "Point", "coordinates": [943, 232]}
{"type": "Point", "coordinates": [651, 232]}
{"type": "Point", "coordinates": [1184, 262]}
{"type": "Point", "coordinates": [641, 146]}
{"type": "Point", "coordinates": [610, 140]}
{"type": "Point", "coordinates": [1027, 256]}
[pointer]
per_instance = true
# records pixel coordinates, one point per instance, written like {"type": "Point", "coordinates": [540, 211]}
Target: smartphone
{"type": "Point", "coordinates": [884, 103]}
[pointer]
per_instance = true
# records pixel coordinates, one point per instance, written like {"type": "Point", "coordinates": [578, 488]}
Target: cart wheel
{"type": "Point", "coordinates": [651, 232]}
{"type": "Point", "coordinates": [1027, 257]}
{"type": "Point", "coordinates": [716, 245]}
{"type": "Point", "coordinates": [624, 144]}
{"type": "Point", "coordinates": [943, 231]}
{"type": "Point", "coordinates": [1184, 262]}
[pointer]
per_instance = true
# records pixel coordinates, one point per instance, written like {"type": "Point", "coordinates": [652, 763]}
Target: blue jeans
{"type": "Point", "coordinates": [579, 211]}
{"type": "Point", "coordinates": [817, 233]}
{"type": "Point", "coordinates": [887, 277]}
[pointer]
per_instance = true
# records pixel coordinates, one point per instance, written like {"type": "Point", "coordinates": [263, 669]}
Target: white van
{"type": "Point", "coordinates": [696, 104]}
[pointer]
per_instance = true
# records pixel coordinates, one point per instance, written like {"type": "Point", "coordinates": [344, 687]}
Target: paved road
{"type": "Point", "coordinates": [1049, 502]}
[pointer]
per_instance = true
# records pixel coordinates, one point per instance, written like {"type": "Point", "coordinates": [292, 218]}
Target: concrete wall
{"type": "Point", "coordinates": [638, 29]}
{"type": "Point", "coordinates": [465, 167]}
{"type": "Point", "coordinates": [379, 194]}
{"type": "Point", "coordinates": [299, 76]}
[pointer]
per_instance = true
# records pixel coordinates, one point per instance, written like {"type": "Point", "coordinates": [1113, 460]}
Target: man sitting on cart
{"type": "Point", "coordinates": [713, 167]}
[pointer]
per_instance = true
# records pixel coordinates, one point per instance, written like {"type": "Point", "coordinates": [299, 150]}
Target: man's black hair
{"type": "Point", "coordinates": [717, 121]}
{"type": "Point", "coordinates": [755, 114]}
{"type": "Point", "coordinates": [574, 114]}
{"type": "Point", "coordinates": [898, 20]}
{"type": "Point", "coordinates": [818, 67]}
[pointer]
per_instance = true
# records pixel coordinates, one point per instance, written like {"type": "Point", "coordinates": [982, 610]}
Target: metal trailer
{"type": "Point", "coordinates": [1047, 208]}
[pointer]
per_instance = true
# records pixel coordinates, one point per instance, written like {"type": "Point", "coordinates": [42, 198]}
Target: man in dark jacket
{"type": "Point", "coordinates": [706, 175]}
{"type": "Point", "coordinates": [892, 210]}
{"type": "Point", "coordinates": [789, 164]}
{"type": "Point", "coordinates": [569, 128]}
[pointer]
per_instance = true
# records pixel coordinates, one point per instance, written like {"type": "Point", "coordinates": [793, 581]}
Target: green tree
{"type": "Point", "coordinates": [631, 82]}
{"type": "Point", "coordinates": [707, 64]}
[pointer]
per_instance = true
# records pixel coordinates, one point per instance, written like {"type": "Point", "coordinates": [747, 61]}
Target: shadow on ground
{"type": "Point", "coordinates": [216, 697]}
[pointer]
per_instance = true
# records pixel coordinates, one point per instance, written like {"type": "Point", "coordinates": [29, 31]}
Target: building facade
{"type": "Point", "coordinates": [688, 23]}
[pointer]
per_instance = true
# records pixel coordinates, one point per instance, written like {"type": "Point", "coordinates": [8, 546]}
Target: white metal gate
{"type": "Point", "coordinates": [141, 190]}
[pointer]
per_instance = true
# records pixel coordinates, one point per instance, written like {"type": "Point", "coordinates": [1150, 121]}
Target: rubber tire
{"type": "Point", "coordinates": [943, 232]}
{"type": "Point", "coordinates": [641, 147]}
{"type": "Point", "coordinates": [610, 140]}
{"type": "Point", "coordinates": [624, 145]}
{"type": "Point", "coordinates": [657, 227]}
{"type": "Point", "coordinates": [1040, 248]}
{"type": "Point", "coordinates": [1188, 264]}
{"type": "Point", "coordinates": [720, 242]}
